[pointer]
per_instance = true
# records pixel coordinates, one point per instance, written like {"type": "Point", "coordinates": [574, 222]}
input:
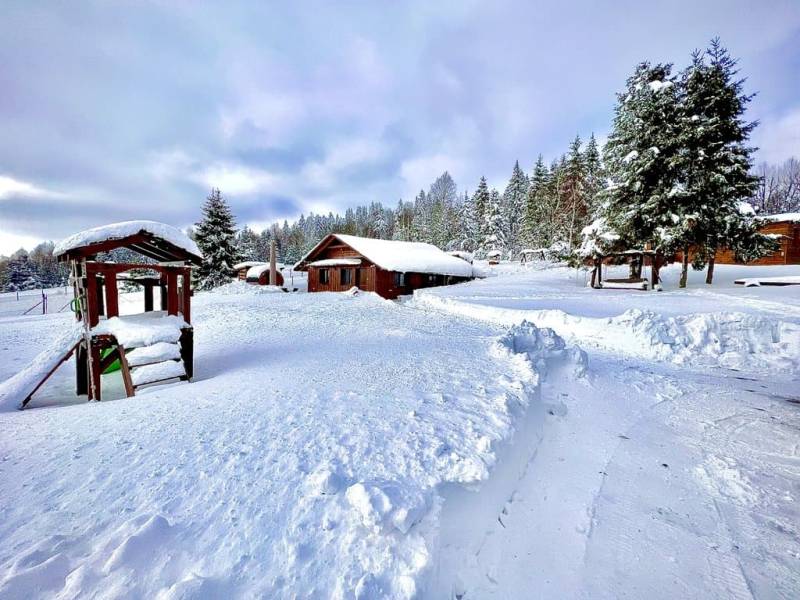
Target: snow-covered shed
{"type": "Point", "coordinates": [260, 274]}
{"type": "Point", "coordinates": [388, 267]}
{"type": "Point", "coordinates": [242, 267]}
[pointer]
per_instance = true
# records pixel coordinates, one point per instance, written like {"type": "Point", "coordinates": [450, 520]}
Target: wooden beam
{"type": "Point", "coordinates": [126, 372]}
{"type": "Point", "coordinates": [187, 295]}
{"type": "Point", "coordinates": [112, 296]}
{"type": "Point", "coordinates": [148, 296]}
{"type": "Point", "coordinates": [172, 293]}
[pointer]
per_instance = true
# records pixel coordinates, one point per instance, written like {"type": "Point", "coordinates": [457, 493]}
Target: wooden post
{"type": "Point", "coordinates": [112, 296]}
{"type": "Point", "coordinates": [273, 273]}
{"type": "Point", "coordinates": [81, 371]}
{"type": "Point", "coordinates": [126, 372]}
{"type": "Point", "coordinates": [93, 298]}
{"type": "Point", "coordinates": [163, 287]}
{"type": "Point", "coordinates": [148, 296]}
{"type": "Point", "coordinates": [187, 295]}
{"type": "Point", "coordinates": [187, 351]}
{"type": "Point", "coordinates": [172, 293]}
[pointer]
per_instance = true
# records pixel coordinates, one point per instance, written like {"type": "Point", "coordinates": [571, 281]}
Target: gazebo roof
{"type": "Point", "coordinates": [161, 242]}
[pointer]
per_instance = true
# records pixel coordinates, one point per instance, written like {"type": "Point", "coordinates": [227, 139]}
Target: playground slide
{"type": "Point", "coordinates": [17, 388]}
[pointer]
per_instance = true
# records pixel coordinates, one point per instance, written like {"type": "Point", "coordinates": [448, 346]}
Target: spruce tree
{"type": "Point", "coordinates": [574, 192]}
{"type": "Point", "coordinates": [495, 224]}
{"type": "Point", "coordinates": [215, 235]}
{"type": "Point", "coordinates": [514, 201]}
{"type": "Point", "coordinates": [639, 205]}
{"type": "Point", "coordinates": [715, 162]}
{"type": "Point", "coordinates": [481, 200]}
{"type": "Point", "coordinates": [594, 172]}
{"type": "Point", "coordinates": [536, 228]}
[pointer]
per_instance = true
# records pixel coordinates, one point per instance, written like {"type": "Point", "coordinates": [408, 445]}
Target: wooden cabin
{"type": "Point", "coordinates": [786, 230]}
{"type": "Point", "coordinates": [387, 267]}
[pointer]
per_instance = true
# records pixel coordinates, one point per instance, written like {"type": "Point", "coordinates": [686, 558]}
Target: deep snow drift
{"type": "Point", "coordinates": [304, 460]}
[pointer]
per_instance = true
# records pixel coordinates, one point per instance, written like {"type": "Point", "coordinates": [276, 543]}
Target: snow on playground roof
{"type": "Point", "coordinates": [118, 231]}
{"type": "Point", "coordinates": [404, 257]}
{"type": "Point", "coordinates": [793, 217]}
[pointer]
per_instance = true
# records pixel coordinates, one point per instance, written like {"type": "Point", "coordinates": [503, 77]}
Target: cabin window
{"type": "Point", "coordinates": [324, 277]}
{"type": "Point", "coordinates": [346, 276]}
{"type": "Point", "coordinates": [431, 279]}
{"type": "Point", "coordinates": [399, 279]}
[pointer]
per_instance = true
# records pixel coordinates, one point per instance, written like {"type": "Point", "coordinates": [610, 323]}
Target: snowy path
{"type": "Point", "coordinates": [650, 479]}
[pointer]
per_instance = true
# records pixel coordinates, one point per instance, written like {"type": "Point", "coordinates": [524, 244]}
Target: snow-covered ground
{"type": "Point", "coordinates": [334, 445]}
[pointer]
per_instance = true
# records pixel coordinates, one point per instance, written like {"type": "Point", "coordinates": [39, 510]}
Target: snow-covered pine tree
{"type": "Point", "coordinates": [247, 243]}
{"type": "Point", "coordinates": [715, 161]}
{"type": "Point", "coordinates": [480, 200]}
{"type": "Point", "coordinates": [515, 199]}
{"type": "Point", "coordinates": [215, 235]}
{"type": "Point", "coordinates": [421, 224]}
{"type": "Point", "coordinates": [403, 216]}
{"type": "Point", "coordinates": [442, 198]}
{"type": "Point", "coordinates": [639, 205]}
{"type": "Point", "coordinates": [495, 224]}
{"type": "Point", "coordinates": [594, 180]}
{"type": "Point", "coordinates": [469, 226]}
{"type": "Point", "coordinates": [573, 189]}
{"type": "Point", "coordinates": [536, 228]}
{"type": "Point", "coordinates": [22, 274]}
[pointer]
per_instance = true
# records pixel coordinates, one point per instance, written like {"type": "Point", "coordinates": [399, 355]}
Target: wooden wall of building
{"type": "Point", "coordinates": [787, 254]}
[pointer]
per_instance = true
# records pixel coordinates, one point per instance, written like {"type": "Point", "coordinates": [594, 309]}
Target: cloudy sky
{"type": "Point", "coordinates": [132, 110]}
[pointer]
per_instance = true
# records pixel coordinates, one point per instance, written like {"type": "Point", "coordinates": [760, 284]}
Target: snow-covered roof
{"type": "Point", "coordinates": [463, 255]}
{"type": "Point", "coordinates": [257, 270]}
{"type": "Point", "coordinates": [403, 257]}
{"type": "Point", "coordinates": [118, 231]}
{"type": "Point", "coordinates": [247, 264]}
{"type": "Point", "coordinates": [792, 217]}
{"type": "Point", "coordinates": [336, 262]}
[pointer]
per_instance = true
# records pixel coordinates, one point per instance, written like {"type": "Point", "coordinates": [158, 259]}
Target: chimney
{"type": "Point", "coordinates": [273, 271]}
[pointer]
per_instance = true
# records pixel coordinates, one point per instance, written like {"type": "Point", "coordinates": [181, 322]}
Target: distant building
{"type": "Point", "coordinates": [389, 268]}
{"type": "Point", "coordinates": [785, 228]}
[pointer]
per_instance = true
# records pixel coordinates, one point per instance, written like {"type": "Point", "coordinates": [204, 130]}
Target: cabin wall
{"type": "Point", "coordinates": [787, 254]}
{"type": "Point", "coordinates": [363, 277]}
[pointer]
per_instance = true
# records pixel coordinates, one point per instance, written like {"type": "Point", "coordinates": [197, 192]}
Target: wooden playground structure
{"type": "Point", "coordinates": [147, 359]}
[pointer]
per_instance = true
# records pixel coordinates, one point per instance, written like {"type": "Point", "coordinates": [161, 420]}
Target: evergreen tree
{"type": "Point", "coordinates": [514, 202]}
{"type": "Point", "coordinates": [715, 162]}
{"type": "Point", "coordinates": [495, 224]}
{"type": "Point", "coordinates": [421, 224]}
{"type": "Point", "coordinates": [247, 243]}
{"type": "Point", "coordinates": [480, 200]}
{"type": "Point", "coordinates": [216, 237]}
{"type": "Point", "coordinates": [639, 204]}
{"type": "Point", "coordinates": [573, 189]}
{"type": "Point", "coordinates": [594, 172]}
{"type": "Point", "coordinates": [537, 230]}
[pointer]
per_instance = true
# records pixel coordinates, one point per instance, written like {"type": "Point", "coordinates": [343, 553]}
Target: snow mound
{"type": "Point", "coordinates": [727, 339]}
{"type": "Point", "coordinates": [116, 231]}
{"type": "Point", "coordinates": [235, 288]}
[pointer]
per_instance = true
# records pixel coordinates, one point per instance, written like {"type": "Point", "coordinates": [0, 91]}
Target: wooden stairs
{"type": "Point", "coordinates": [156, 364]}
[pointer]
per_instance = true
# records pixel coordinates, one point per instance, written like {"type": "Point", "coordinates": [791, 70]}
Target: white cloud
{"type": "Point", "coordinates": [11, 242]}
{"type": "Point", "coordinates": [14, 187]}
{"type": "Point", "coordinates": [779, 138]}
{"type": "Point", "coordinates": [234, 179]}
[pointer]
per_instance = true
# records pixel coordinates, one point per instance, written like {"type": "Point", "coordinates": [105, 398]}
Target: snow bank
{"type": "Point", "coordinates": [143, 329]}
{"type": "Point", "coordinates": [116, 231]}
{"type": "Point", "coordinates": [469, 514]}
{"type": "Point", "coordinates": [235, 288]}
{"type": "Point", "coordinates": [14, 390]}
{"type": "Point", "coordinates": [733, 340]}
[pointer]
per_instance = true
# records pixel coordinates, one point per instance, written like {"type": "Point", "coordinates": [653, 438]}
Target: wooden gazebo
{"type": "Point", "coordinates": [160, 342]}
